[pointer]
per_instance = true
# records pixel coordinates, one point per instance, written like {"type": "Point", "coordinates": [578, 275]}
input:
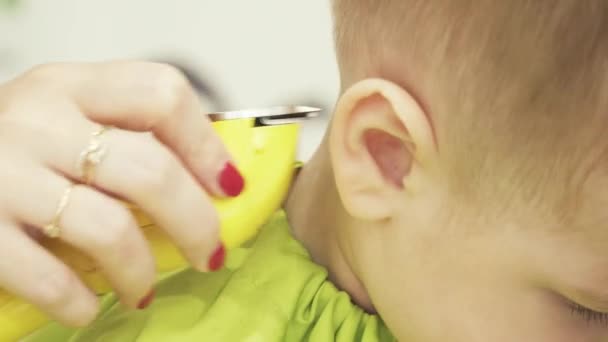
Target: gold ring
{"type": "Point", "coordinates": [92, 155]}
{"type": "Point", "coordinates": [53, 229]}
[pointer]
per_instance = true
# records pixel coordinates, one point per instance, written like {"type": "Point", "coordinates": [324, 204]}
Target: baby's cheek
{"type": "Point", "coordinates": [426, 291]}
{"type": "Point", "coordinates": [474, 308]}
{"type": "Point", "coordinates": [454, 289]}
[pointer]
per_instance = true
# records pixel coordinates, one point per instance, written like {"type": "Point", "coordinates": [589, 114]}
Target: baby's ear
{"type": "Point", "coordinates": [380, 138]}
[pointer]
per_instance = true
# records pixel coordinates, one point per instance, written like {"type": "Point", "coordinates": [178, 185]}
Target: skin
{"type": "Point", "coordinates": [384, 225]}
{"type": "Point", "coordinates": [385, 228]}
{"type": "Point", "coordinates": [161, 143]}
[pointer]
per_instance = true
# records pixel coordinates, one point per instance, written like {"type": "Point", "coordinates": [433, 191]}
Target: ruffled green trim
{"type": "Point", "coordinates": [271, 291]}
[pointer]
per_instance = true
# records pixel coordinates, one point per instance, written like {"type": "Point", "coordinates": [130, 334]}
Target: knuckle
{"type": "Point", "coordinates": [196, 242]}
{"type": "Point", "coordinates": [39, 83]}
{"type": "Point", "coordinates": [211, 154]}
{"type": "Point", "coordinates": [117, 226]}
{"type": "Point", "coordinates": [203, 239]}
{"type": "Point", "coordinates": [55, 288]}
{"type": "Point", "coordinates": [173, 88]}
{"type": "Point", "coordinates": [158, 174]}
{"type": "Point", "coordinates": [83, 316]}
{"type": "Point", "coordinates": [119, 243]}
{"type": "Point", "coordinates": [138, 277]}
{"type": "Point", "coordinates": [83, 319]}
{"type": "Point", "coordinates": [45, 72]}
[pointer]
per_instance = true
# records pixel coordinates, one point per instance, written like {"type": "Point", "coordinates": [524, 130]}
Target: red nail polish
{"type": "Point", "coordinates": [231, 180]}
{"type": "Point", "coordinates": [217, 259]}
{"type": "Point", "coordinates": [147, 300]}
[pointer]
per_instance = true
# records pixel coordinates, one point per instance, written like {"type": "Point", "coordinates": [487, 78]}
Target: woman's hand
{"type": "Point", "coordinates": [160, 154]}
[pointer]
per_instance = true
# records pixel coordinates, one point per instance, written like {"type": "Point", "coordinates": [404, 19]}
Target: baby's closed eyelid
{"type": "Point", "coordinates": [585, 303]}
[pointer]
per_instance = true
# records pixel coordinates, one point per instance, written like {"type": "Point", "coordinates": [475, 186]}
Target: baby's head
{"type": "Point", "coordinates": [470, 152]}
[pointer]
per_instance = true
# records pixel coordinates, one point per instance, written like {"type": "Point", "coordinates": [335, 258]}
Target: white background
{"type": "Point", "coordinates": [257, 53]}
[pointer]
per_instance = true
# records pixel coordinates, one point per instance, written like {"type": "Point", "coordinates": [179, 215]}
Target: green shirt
{"type": "Point", "coordinates": [268, 291]}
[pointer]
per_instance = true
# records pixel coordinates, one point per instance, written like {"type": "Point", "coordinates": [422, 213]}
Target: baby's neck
{"type": "Point", "coordinates": [316, 217]}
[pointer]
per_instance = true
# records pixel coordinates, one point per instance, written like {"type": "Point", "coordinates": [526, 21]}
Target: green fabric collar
{"type": "Point", "coordinates": [269, 291]}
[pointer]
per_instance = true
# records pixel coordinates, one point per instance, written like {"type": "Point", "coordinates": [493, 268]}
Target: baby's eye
{"type": "Point", "coordinates": [589, 315]}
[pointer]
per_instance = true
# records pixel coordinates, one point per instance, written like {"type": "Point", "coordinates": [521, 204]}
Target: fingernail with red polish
{"type": "Point", "coordinates": [147, 300]}
{"type": "Point", "coordinates": [216, 261]}
{"type": "Point", "coordinates": [231, 180]}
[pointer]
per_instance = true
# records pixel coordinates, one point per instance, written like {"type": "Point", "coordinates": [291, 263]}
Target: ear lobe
{"type": "Point", "coordinates": [378, 136]}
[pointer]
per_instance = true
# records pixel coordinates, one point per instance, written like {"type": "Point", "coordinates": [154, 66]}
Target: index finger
{"type": "Point", "coordinates": [144, 96]}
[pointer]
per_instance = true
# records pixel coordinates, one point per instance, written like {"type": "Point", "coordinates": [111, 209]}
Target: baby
{"type": "Point", "coordinates": [459, 194]}
{"type": "Point", "coordinates": [462, 189]}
